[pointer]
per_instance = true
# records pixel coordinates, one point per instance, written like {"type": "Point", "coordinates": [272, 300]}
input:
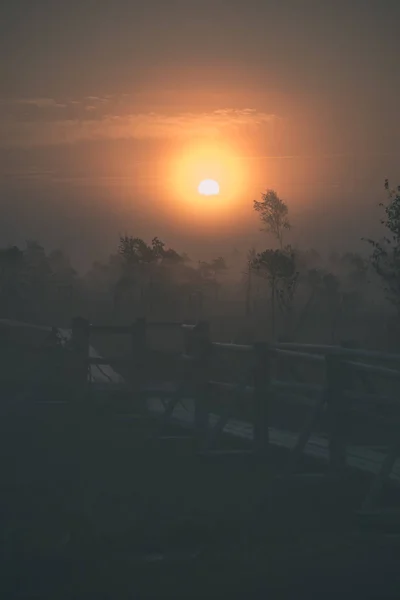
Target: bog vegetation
{"type": "Point", "coordinates": [278, 291]}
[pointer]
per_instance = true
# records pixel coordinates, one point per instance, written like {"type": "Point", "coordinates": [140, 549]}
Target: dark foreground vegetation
{"type": "Point", "coordinates": [92, 507]}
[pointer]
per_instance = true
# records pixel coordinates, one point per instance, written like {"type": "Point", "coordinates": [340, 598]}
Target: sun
{"type": "Point", "coordinates": [206, 182]}
{"type": "Point", "coordinates": [208, 187]}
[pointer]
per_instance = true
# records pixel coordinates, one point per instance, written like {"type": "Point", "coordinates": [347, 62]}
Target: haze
{"type": "Point", "coordinates": [98, 100]}
{"type": "Point", "coordinates": [199, 299]}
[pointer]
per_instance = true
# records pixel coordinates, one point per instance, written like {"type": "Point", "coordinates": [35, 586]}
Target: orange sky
{"type": "Point", "coordinates": [104, 108]}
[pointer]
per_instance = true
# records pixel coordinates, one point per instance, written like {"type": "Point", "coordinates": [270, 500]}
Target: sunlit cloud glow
{"type": "Point", "coordinates": [54, 122]}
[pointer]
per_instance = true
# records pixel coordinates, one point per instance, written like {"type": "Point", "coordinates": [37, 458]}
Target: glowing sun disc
{"type": "Point", "coordinates": [208, 187]}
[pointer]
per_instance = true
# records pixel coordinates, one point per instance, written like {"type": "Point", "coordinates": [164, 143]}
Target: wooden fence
{"type": "Point", "coordinates": [334, 396]}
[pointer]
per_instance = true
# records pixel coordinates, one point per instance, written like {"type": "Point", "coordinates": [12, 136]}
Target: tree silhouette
{"type": "Point", "coordinates": [274, 214]}
{"type": "Point", "coordinates": [385, 258]}
{"type": "Point", "coordinates": [12, 273]}
{"type": "Point", "coordinates": [279, 268]}
{"type": "Point", "coordinates": [250, 267]}
{"type": "Point", "coordinates": [210, 271]}
{"type": "Point", "coordinates": [152, 269]}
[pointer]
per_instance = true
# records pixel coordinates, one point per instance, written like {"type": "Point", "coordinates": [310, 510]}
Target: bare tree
{"type": "Point", "coordinates": [274, 214]}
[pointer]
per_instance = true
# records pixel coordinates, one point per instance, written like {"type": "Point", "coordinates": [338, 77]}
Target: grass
{"type": "Point", "coordinates": [93, 508]}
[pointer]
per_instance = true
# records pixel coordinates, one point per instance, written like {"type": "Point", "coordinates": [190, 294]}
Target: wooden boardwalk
{"type": "Point", "coordinates": [363, 458]}
{"type": "Point", "coordinates": [358, 457]}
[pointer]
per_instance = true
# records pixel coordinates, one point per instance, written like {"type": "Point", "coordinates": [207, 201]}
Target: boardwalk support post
{"type": "Point", "coordinates": [138, 340]}
{"type": "Point", "coordinates": [262, 380]}
{"type": "Point", "coordinates": [139, 348]}
{"type": "Point", "coordinates": [80, 335]}
{"type": "Point", "coordinates": [335, 387]}
{"type": "Point", "coordinates": [297, 452]}
{"type": "Point", "coordinates": [201, 352]}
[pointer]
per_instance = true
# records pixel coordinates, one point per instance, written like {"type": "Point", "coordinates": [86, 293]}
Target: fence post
{"type": "Point", "coordinates": [51, 375]}
{"type": "Point", "coordinates": [80, 335]}
{"type": "Point", "coordinates": [262, 379]}
{"type": "Point", "coordinates": [138, 342]}
{"type": "Point", "coordinates": [336, 379]}
{"type": "Point", "coordinates": [201, 352]}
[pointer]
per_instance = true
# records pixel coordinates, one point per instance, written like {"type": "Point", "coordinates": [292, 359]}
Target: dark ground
{"type": "Point", "coordinates": [91, 507]}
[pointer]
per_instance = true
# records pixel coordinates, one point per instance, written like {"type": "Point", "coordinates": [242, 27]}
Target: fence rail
{"type": "Point", "coordinates": [127, 329]}
{"type": "Point", "coordinates": [339, 350]}
{"type": "Point", "coordinates": [334, 396]}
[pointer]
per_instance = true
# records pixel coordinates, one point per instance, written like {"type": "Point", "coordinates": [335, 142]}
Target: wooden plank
{"type": "Point", "coordinates": [339, 350]}
{"type": "Point", "coordinates": [233, 347]}
{"type": "Point", "coordinates": [165, 325]}
{"type": "Point", "coordinates": [114, 360]}
{"type": "Point", "coordinates": [111, 329]}
{"type": "Point", "coordinates": [372, 398]}
{"type": "Point", "coordinates": [374, 369]}
{"type": "Point", "coordinates": [12, 323]}
{"type": "Point", "coordinates": [279, 386]}
{"type": "Point", "coordinates": [299, 355]}
{"type": "Point", "coordinates": [221, 452]}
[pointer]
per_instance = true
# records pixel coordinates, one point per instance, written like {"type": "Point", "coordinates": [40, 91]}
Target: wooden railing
{"type": "Point", "coordinates": [334, 396]}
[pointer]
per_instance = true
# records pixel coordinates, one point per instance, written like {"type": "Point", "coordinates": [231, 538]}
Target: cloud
{"type": "Point", "coordinates": [41, 102]}
{"type": "Point", "coordinates": [28, 174]}
{"type": "Point", "coordinates": [138, 126]}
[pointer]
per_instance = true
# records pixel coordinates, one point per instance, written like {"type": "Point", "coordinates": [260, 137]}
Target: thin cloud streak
{"type": "Point", "coordinates": [139, 126]}
{"type": "Point", "coordinates": [41, 102]}
{"type": "Point", "coordinates": [320, 156]}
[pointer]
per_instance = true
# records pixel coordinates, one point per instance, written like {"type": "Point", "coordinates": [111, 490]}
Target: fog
{"type": "Point", "coordinates": [140, 457]}
{"type": "Point", "coordinates": [330, 294]}
{"type": "Point", "coordinates": [85, 217]}
{"type": "Point", "coordinates": [88, 129]}
{"type": "Point", "coordinates": [108, 127]}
